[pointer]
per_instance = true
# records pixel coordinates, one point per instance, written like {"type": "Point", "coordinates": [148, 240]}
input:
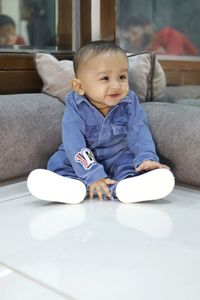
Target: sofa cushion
{"type": "Point", "coordinates": [30, 132]}
{"type": "Point", "coordinates": [175, 129]}
{"type": "Point", "coordinates": [146, 76]}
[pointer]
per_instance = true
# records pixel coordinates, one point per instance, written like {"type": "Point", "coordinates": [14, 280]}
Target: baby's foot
{"type": "Point", "coordinates": [49, 186]}
{"type": "Point", "coordinates": [153, 185]}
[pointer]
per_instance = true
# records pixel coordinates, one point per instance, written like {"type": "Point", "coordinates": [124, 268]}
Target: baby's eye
{"type": "Point", "coordinates": [104, 78]}
{"type": "Point", "coordinates": [122, 77]}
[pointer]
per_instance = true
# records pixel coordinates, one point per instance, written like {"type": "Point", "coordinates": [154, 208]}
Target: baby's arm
{"type": "Point", "coordinates": [101, 186]}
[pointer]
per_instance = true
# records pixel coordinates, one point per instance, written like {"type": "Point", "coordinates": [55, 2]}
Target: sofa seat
{"type": "Point", "coordinates": [31, 133]}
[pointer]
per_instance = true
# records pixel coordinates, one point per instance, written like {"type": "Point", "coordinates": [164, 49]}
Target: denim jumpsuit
{"type": "Point", "coordinates": [96, 146]}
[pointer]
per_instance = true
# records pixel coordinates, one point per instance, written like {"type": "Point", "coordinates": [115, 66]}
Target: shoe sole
{"type": "Point", "coordinates": [153, 185]}
{"type": "Point", "coordinates": [49, 186]}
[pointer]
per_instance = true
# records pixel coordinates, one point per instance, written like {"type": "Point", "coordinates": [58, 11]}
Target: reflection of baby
{"type": "Point", "coordinates": [106, 139]}
{"type": "Point", "coordinates": [137, 34]}
{"type": "Point", "coordinates": [148, 219]}
{"type": "Point", "coordinates": [8, 36]}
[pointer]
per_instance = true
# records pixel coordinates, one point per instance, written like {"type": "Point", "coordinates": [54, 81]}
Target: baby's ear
{"type": "Point", "coordinates": [77, 86]}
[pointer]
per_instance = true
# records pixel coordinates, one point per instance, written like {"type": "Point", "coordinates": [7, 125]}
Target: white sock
{"type": "Point", "coordinates": [49, 186]}
{"type": "Point", "coordinates": [153, 185]}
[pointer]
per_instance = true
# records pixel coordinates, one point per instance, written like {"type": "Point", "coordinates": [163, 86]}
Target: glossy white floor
{"type": "Point", "coordinates": [99, 250]}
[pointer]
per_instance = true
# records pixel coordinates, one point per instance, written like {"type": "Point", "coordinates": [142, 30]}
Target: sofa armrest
{"type": "Point", "coordinates": [30, 132]}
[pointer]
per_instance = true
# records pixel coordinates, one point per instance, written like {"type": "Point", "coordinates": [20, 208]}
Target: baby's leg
{"type": "Point", "coordinates": [49, 186]}
{"type": "Point", "coordinates": [153, 185]}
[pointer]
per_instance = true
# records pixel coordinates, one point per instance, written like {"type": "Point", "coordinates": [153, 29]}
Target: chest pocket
{"type": "Point", "coordinates": [92, 132]}
{"type": "Point", "coordinates": [119, 128]}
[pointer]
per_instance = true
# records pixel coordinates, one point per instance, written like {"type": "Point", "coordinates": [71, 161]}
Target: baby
{"type": "Point", "coordinates": [107, 146]}
{"type": "Point", "coordinates": [8, 35]}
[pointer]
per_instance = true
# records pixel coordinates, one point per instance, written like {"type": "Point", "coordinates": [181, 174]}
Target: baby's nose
{"type": "Point", "coordinates": [115, 84]}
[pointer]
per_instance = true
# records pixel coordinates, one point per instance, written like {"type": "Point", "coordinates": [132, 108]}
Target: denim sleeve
{"type": "Point", "coordinates": [81, 158]}
{"type": "Point", "coordinates": [139, 137]}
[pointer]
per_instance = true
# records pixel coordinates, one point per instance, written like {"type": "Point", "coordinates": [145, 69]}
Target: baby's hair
{"type": "Point", "coordinates": [6, 20]}
{"type": "Point", "coordinates": [92, 49]}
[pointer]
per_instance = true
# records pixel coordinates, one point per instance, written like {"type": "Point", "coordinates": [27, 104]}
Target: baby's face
{"type": "Point", "coordinates": [8, 35]}
{"type": "Point", "coordinates": [104, 79]}
{"type": "Point", "coordinates": [135, 36]}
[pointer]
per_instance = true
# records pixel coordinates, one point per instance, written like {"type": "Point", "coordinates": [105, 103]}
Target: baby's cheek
{"type": "Point", "coordinates": [126, 88]}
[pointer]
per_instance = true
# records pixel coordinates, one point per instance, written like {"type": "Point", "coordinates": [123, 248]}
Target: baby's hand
{"type": "Point", "coordinates": [149, 165]}
{"type": "Point", "coordinates": [101, 186]}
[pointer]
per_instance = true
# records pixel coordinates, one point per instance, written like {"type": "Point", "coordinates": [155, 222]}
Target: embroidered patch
{"type": "Point", "coordinates": [86, 158]}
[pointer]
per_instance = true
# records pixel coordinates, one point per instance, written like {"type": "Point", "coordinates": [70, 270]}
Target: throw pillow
{"type": "Point", "coordinates": [56, 75]}
{"type": "Point", "coordinates": [146, 76]}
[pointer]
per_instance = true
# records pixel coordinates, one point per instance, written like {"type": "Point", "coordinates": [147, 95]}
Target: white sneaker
{"type": "Point", "coordinates": [153, 185]}
{"type": "Point", "coordinates": [49, 186]}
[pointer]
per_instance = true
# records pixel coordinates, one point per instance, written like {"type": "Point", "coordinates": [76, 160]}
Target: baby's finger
{"type": "Point", "coordinates": [110, 181]}
{"type": "Point", "coordinates": [106, 190]}
{"type": "Point", "coordinates": [99, 193]}
{"type": "Point", "coordinates": [164, 166]}
{"type": "Point", "coordinates": [91, 192]}
{"type": "Point", "coordinates": [139, 169]}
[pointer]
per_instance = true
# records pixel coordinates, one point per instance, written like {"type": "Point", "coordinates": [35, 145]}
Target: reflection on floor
{"type": "Point", "coordinates": [99, 249]}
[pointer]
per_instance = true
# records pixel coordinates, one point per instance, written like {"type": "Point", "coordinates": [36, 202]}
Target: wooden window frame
{"type": "Point", "coordinates": [181, 70]}
{"type": "Point", "coordinates": [18, 72]}
{"type": "Point", "coordinates": [107, 19]}
{"type": "Point", "coordinates": [65, 24]}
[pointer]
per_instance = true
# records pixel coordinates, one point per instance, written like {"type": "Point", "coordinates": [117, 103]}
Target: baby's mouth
{"type": "Point", "coordinates": [114, 95]}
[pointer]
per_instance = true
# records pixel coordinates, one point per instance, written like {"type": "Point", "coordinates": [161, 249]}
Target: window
{"type": "Point", "coordinates": [165, 27]}
{"type": "Point", "coordinates": [44, 24]}
{"type": "Point", "coordinates": [28, 23]}
{"type": "Point", "coordinates": [182, 15]}
{"type": "Point", "coordinates": [72, 23]}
